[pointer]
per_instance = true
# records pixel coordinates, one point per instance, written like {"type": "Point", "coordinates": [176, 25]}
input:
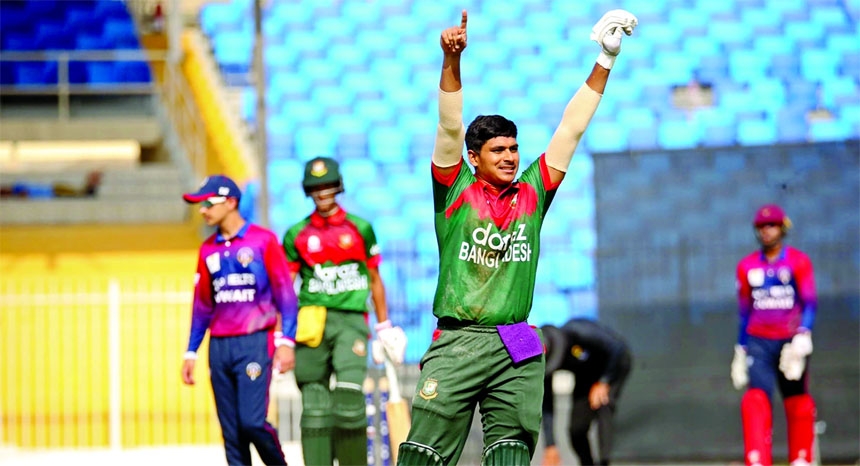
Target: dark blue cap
{"type": "Point", "coordinates": [214, 186]}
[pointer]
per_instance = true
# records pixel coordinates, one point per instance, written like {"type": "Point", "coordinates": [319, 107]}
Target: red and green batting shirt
{"type": "Point", "coordinates": [489, 244]}
{"type": "Point", "coordinates": [332, 255]}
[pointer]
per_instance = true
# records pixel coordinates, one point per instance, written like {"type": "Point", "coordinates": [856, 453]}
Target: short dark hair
{"type": "Point", "coordinates": [486, 127]}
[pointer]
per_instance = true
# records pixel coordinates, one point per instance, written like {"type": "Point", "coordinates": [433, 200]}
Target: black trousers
{"type": "Point", "coordinates": [581, 417]}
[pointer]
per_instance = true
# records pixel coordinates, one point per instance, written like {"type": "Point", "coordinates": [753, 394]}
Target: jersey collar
{"type": "Point", "coordinates": [337, 218]}
{"type": "Point", "coordinates": [239, 234]}
{"type": "Point", "coordinates": [496, 192]}
{"type": "Point", "coordinates": [780, 257]}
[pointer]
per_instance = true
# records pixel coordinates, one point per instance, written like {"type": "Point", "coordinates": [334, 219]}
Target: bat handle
{"type": "Point", "coordinates": [394, 381]}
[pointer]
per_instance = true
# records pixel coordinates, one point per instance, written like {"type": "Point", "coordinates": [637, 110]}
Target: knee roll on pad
{"type": "Point", "coordinates": [350, 412]}
{"type": "Point", "coordinates": [415, 454]}
{"type": "Point", "coordinates": [506, 452]}
{"type": "Point", "coordinates": [316, 407]}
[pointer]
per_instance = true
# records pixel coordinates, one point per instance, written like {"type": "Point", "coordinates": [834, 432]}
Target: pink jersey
{"type": "Point", "coordinates": [242, 286]}
{"type": "Point", "coordinates": [775, 298]}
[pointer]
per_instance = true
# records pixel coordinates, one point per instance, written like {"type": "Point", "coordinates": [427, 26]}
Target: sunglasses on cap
{"type": "Point", "coordinates": [215, 200]}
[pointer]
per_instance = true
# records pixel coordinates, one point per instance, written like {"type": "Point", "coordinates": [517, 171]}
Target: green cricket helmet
{"type": "Point", "coordinates": [322, 171]}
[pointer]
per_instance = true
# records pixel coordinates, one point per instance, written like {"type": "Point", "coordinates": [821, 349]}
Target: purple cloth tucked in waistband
{"type": "Point", "coordinates": [521, 340]}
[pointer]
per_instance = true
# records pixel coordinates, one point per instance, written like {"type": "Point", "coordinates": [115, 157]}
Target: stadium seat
{"type": "Point", "coordinates": [388, 144]}
{"type": "Point", "coordinates": [756, 132]}
{"type": "Point", "coordinates": [747, 65]}
{"type": "Point", "coordinates": [819, 65]}
{"type": "Point", "coordinates": [35, 73]}
{"type": "Point", "coordinates": [832, 130]}
{"type": "Point", "coordinates": [605, 136]}
{"type": "Point", "coordinates": [678, 134]}
{"type": "Point", "coordinates": [311, 142]}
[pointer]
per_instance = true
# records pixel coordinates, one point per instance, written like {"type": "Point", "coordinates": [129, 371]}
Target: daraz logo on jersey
{"type": "Point", "coordinates": [337, 279]}
{"type": "Point", "coordinates": [490, 248]}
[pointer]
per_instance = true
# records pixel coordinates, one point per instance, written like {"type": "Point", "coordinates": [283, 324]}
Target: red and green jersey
{"type": "Point", "coordinates": [489, 244]}
{"type": "Point", "coordinates": [332, 256]}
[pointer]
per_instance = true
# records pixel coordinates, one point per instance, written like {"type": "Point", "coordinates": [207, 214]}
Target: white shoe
{"type": "Point", "coordinates": [799, 462]}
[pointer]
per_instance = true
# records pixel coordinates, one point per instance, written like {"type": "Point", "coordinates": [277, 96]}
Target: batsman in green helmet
{"type": "Point", "coordinates": [336, 256]}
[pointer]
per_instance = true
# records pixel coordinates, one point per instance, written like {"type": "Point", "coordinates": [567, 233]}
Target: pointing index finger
{"type": "Point", "coordinates": [463, 20]}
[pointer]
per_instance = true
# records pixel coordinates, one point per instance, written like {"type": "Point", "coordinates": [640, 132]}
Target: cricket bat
{"type": "Point", "coordinates": [396, 410]}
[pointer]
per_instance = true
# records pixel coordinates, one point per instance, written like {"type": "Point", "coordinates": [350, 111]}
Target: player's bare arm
{"type": "Point", "coordinates": [450, 132]}
{"type": "Point", "coordinates": [377, 294]}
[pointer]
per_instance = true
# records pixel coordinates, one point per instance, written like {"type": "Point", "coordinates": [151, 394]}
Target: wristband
{"type": "Point", "coordinates": [190, 355]}
{"type": "Point", "coordinates": [383, 325]}
{"type": "Point", "coordinates": [605, 60]}
{"type": "Point", "coordinates": [281, 340]}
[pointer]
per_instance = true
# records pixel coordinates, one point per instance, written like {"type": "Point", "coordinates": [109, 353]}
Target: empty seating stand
{"type": "Point", "coordinates": [67, 26]}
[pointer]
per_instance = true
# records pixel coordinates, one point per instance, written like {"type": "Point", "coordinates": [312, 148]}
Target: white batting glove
{"type": "Point", "coordinates": [740, 377]}
{"type": "Point", "coordinates": [389, 341]}
{"type": "Point", "coordinates": [792, 358]}
{"type": "Point", "coordinates": [607, 33]}
{"type": "Point", "coordinates": [802, 343]}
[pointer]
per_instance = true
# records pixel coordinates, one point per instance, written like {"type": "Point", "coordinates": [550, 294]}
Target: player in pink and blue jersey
{"type": "Point", "coordinates": [777, 303]}
{"type": "Point", "coordinates": [242, 292]}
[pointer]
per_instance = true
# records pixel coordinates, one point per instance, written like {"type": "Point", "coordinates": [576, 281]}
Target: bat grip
{"type": "Point", "coordinates": [394, 382]}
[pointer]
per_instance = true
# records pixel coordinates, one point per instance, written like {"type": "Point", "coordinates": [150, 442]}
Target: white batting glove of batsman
{"type": "Point", "coordinates": [740, 377]}
{"type": "Point", "coordinates": [607, 33]}
{"type": "Point", "coordinates": [792, 358]}
{"type": "Point", "coordinates": [390, 341]}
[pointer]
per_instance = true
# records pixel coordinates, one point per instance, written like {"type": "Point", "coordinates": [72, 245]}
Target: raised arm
{"type": "Point", "coordinates": [580, 109]}
{"type": "Point", "coordinates": [450, 133]}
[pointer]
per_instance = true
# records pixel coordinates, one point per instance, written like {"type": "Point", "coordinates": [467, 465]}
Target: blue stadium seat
{"type": "Point", "coordinates": [678, 134]}
{"type": "Point", "coordinates": [819, 65]}
{"type": "Point", "coordinates": [233, 50]}
{"type": "Point", "coordinates": [713, 68]}
{"type": "Point", "coordinates": [86, 41]}
{"type": "Point", "coordinates": [729, 32]}
{"type": "Point", "coordinates": [8, 72]}
{"type": "Point", "coordinates": [605, 136]}
{"type": "Point", "coordinates": [388, 144]}
{"type": "Point", "coordinates": [546, 307]}
{"type": "Point", "coordinates": [132, 72]}
{"type": "Point", "coordinates": [804, 33]}
{"type": "Point", "coordinates": [120, 33]}
{"type": "Point", "coordinates": [101, 72]}
{"type": "Point", "coordinates": [311, 142]}
{"type": "Point", "coordinates": [791, 124]}
{"type": "Point", "coordinates": [770, 44]}
{"type": "Point", "coordinates": [109, 9]}
{"type": "Point", "coordinates": [747, 65]}
{"type": "Point", "coordinates": [35, 73]}
{"type": "Point", "coordinates": [358, 171]}
{"type": "Point", "coordinates": [352, 145]}
{"type": "Point", "coordinates": [643, 138]}
{"type": "Point", "coordinates": [756, 132]}
{"type": "Point", "coordinates": [785, 66]}
{"type": "Point", "coordinates": [18, 40]}
{"type": "Point", "coordinates": [53, 36]}
{"type": "Point", "coordinates": [376, 111]}
{"type": "Point", "coordinates": [829, 16]}
{"type": "Point", "coordinates": [718, 127]}
{"type": "Point", "coordinates": [832, 130]}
